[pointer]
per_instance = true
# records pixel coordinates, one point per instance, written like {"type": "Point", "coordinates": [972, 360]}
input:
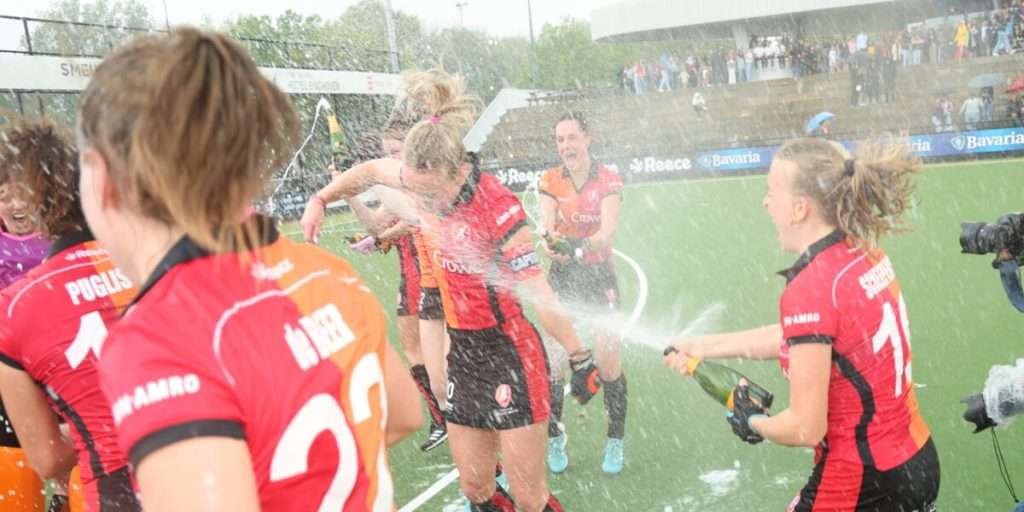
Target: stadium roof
{"type": "Point", "coordinates": [630, 20]}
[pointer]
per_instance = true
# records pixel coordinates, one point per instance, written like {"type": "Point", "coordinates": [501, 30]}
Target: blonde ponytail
{"type": "Point", "coordinates": [865, 195]}
{"type": "Point", "coordinates": [436, 141]}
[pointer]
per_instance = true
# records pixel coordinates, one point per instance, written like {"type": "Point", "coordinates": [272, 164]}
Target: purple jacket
{"type": "Point", "coordinates": [19, 254]}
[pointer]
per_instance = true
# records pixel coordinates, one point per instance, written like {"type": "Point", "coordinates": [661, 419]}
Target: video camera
{"type": "Point", "coordinates": [982, 238]}
{"type": "Point", "coordinates": [1005, 239]}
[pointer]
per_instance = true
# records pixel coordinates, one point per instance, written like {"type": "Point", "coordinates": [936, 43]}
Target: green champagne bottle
{"type": "Point", "coordinates": [338, 148]}
{"type": "Point", "coordinates": [560, 245]}
{"type": "Point", "coordinates": [719, 381]}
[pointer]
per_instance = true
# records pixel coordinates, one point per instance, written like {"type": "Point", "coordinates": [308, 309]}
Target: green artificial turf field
{"type": "Point", "coordinates": [709, 241]}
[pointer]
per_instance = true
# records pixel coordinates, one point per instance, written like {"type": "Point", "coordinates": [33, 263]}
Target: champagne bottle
{"type": "Point", "coordinates": [719, 381]}
{"type": "Point", "coordinates": [560, 245]}
{"type": "Point", "coordinates": [338, 149]}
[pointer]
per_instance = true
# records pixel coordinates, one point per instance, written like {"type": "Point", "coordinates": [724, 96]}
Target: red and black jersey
{"type": "Point", "coordinates": [578, 214]}
{"type": "Point", "coordinates": [409, 277]}
{"type": "Point", "coordinates": [849, 298]}
{"type": "Point", "coordinates": [54, 323]}
{"type": "Point", "coordinates": [477, 275]}
{"type": "Point", "coordinates": [282, 346]}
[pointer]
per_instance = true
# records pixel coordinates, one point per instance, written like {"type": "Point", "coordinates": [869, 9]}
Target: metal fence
{"type": "Point", "coordinates": [79, 39]}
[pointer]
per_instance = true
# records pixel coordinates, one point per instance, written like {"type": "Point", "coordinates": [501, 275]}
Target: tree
{"type": "Point", "coordinates": [74, 40]}
{"type": "Point", "coordinates": [489, 64]}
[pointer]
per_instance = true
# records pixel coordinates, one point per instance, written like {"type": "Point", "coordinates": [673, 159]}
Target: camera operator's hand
{"type": "Point", "coordinates": [976, 413]}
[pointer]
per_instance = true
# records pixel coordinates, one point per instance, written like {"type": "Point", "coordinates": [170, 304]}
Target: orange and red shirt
{"type": "Point", "coordinates": [283, 347]}
{"type": "Point", "coordinates": [578, 212]}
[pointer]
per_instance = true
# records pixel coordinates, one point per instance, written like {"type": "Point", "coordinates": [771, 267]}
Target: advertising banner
{"type": "Point", "coordinates": [649, 168]}
{"type": "Point", "coordinates": [45, 73]}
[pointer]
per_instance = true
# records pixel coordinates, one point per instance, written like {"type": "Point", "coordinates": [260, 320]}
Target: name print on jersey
{"type": "Point", "coordinates": [878, 278]}
{"type": "Point", "coordinates": [97, 286]}
{"type": "Point", "coordinates": [317, 336]}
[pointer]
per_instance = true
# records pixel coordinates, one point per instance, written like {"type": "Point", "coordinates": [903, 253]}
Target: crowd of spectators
{"type": "Point", "coordinates": [873, 58]}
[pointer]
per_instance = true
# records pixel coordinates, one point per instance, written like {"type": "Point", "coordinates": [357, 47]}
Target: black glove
{"type": "Point", "coordinates": [58, 503]}
{"type": "Point", "coordinates": [976, 413]}
{"type": "Point", "coordinates": [579, 246]}
{"type": "Point", "coordinates": [585, 381]}
{"type": "Point", "coordinates": [743, 408]}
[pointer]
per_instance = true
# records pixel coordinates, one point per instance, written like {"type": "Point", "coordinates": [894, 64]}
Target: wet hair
{"type": "Point", "coordinates": [579, 117]}
{"type": "Point", "coordinates": [435, 143]}
{"type": "Point", "coordinates": [405, 114]}
{"type": "Point", "coordinates": [192, 131]}
{"type": "Point", "coordinates": [39, 158]}
{"type": "Point", "coordinates": [865, 195]}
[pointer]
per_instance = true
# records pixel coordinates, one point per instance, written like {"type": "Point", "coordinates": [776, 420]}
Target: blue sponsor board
{"type": "Point", "coordinates": [1006, 140]}
{"type": "Point", "coordinates": [739, 159]}
{"type": "Point", "coordinates": [674, 167]}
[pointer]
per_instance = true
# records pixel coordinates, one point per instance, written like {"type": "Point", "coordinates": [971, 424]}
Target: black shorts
{"type": "Point", "coordinates": [498, 377]}
{"type": "Point", "coordinates": [910, 487]}
{"type": "Point", "coordinates": [7, 437]}
{"type": "Point", "coordinates": [116, 493]}
{"type": "Point", "coordinates": [588, 285]}
{"type": "Point", "coordinates": [430, 307]}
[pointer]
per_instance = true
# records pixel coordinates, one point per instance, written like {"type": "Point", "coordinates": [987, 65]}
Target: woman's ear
{"type": "Point", "coordinates": [93, 162]}
{"type": "Point", "coordinates": [801, 209]}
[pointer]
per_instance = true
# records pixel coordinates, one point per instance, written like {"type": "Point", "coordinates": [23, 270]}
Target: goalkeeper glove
{"type": "Point", "coordinates": [585, 381]}
{"type": "Point", "coordinates": [743, 410]}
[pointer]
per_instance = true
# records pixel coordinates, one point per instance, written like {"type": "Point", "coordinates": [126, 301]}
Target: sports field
{"type": "Point", "coordinates": [706, 242]}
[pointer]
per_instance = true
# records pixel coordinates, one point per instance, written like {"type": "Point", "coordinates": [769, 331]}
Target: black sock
{"type": "Point", "coordinates": [553, 505]}
{"type": "Point", "coordinates": [557, 400]}
{"type": "Point", "coordinates": [615, 403]}
{"type": "Point", "coordinates": [419, 374]}
{"type": "Point", "coordinates": [499, 502]}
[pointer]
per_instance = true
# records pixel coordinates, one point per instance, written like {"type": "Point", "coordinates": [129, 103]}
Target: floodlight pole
{"type": "Point", "coordinates": [461, 6]}
{"type": "Point", "coordinates": [529, 14]}
{"type": "Point", "coordinates": [167, 21]}
{"type": "Point", "coordinates": [389, 20]}
{"type": "Point", "coordinates": [533, 46]}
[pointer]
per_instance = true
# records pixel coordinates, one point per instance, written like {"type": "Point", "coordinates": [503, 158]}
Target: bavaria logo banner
{"type": "Point", "coordinates": [673, 167]}
{"type": "Point", "coordinates": [737, 159]}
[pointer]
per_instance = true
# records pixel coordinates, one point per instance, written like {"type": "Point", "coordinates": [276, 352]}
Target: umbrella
{"type": "Point", "coordinates": [985, 80]}
{"type": "Point", "coordinates": [816, 121]}
{"type": "Point", "coordinates": [1016, 86]}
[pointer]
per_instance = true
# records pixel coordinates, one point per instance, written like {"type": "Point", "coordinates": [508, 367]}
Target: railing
{"type": "Point", "coordinates": [313, 55]}
{"type": "Point", "coordinates": [94, 40]}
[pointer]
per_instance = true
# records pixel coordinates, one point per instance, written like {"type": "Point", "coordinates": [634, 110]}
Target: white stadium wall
{"type": "Point", "coordinates": [642, 19]}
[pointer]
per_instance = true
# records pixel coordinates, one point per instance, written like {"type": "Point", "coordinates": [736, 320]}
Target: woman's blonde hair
{"type": "Point", "coordinates": [191, 129]}
{"type": "Point", "coordinates": [864, 195]}
{"type": "Point", "coordinates": [435, 142]}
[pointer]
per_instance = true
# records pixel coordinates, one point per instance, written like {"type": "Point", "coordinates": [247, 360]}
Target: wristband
{"type": "Point", "coordinates": [319, 200]}
{"type": "Point", "coordinates": [580, 354]}
{"type": "Point", "coordinates": [751, 418]}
